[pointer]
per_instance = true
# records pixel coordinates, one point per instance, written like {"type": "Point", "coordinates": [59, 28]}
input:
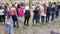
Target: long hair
{"type": "Point", "coordinates": [44, 8]}
{"type": "Point", "coordinates": [18, 6]}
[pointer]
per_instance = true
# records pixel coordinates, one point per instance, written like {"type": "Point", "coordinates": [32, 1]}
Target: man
{"type": "Point", "coordinates": [48, 12]}
{"type": "Point", "coordinates": [53, 11]}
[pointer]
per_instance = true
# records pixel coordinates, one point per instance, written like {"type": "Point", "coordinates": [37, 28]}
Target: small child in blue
{"type": "Point", "coordinates": [9, 24]}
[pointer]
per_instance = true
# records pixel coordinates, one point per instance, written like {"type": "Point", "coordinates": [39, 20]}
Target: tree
{"type": "Point", "coordinates": [30, 3]}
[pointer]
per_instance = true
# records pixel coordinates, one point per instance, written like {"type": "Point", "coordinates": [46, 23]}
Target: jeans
{"type": "Point", "coordinates": [14, 18]}
{"type": "Point", "coordinates": [10, 28]}
{"type": "Point", "coordinates": [42, 19]}
{"type": "Point", "coordinates": [52, 18]}
{"type": "Point", "coordinates": [36, 19]}
{"type": "Point", "coordinates": [16, 24]}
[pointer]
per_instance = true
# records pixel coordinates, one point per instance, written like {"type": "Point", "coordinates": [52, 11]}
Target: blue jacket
{"type": "Point", "coordinates": [36, 15]}
{"type": "Point", "coordinates": [54, 9]}
{"type": "Point", "coordinates": [5, 11]}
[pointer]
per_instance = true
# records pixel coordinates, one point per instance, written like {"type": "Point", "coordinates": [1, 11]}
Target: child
{"type": "Point", "coordinates": [9, 23]}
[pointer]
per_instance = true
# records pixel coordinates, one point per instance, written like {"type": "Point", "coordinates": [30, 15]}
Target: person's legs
{"type": "Point", "coordinates": [4, 18]}
{"type": "Point", "coordinates": [27, 21]}
{"type": "Point", "coordinates": [9, 28]}
{"type": "Point", "coordinates": [36, 20]}
{"type": "Point", "coordinates": [16, 21]}
{"type": "Point", "coordinates": [16, 24]}
{"type": "Point", "coordinates": [42, 19]}
{"type": "Point", "coordinates": [56, 14]}
{"type": "Point", "coordinates": [33, 20]}
{"type": "Point", "coordinates": [0, 17]}
{"type": "Point", "coordinates": [13, 18]}
{"type": "Point", "coordinates": [52, 17]}
{"type": "Point", "coordinates": [39, 19]}
{"type": "Point", "coordinates": [46, 18]}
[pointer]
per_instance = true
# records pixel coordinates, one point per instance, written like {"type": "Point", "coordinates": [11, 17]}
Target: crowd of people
{"type": "Point", "coordinates": [10, 14]}
{"type": "Point", "coordinates": [47, 12]}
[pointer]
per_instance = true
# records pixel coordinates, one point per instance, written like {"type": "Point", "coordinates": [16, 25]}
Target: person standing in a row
{"type": "Point", "coordinates": [14, 16]}
{"type": "Point", "coordinates": [53, 11]}
{"type": "Point", "coordinates": [57, 11]}
{"type": "Point", "coordinates": [48, 12]}
{"type": "Point", "coordinates": [27, 16]}
{"type": "Point", "coordinates": [35, 16]}
{"type": "Point", "coordinates": [43, 13]}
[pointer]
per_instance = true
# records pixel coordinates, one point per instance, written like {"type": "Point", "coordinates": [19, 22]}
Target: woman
{"type": "Point", "coordinates": [20, 13]}
{"type": "Point", "coordinates": [43, 13]}
{"type": "Point", "coordinates": [27, 15]}
{"type": "Point", "coordinates": [14, 16]}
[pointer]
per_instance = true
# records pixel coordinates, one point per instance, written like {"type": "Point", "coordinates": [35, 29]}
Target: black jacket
{"type": "Point", "coordinates": [27, 13]}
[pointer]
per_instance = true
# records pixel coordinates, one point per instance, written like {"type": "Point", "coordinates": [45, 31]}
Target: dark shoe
{"type": "Point", "coordinates": [8, 33]}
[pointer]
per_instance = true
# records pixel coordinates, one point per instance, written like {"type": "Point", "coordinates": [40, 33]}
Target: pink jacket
{"type": "Point", "coordinates": [20, 12]}
{"type": "Point", "coordinates": [42, 11]}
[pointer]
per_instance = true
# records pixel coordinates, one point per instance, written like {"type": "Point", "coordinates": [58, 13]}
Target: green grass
{"type": "Point", "coordinates": [58, 27]}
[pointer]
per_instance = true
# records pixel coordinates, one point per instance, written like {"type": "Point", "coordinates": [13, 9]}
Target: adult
{"type": "Point", "coordinates": [21, 13]}
{"type": "Point", "coordinates": [53, 11]}
{"type": "Point", "coordinates": [43, 13]}
{"type": "Point", "coordinates": [14, 16]}
{"type": "Point", "coordinates": [48, 12]}
{"type": "Point", "coordinates": [5, 12]}
{"type": "Point", "coordinates": [27, 15]}
{"type": "Point", "coordinates": [36, 15]}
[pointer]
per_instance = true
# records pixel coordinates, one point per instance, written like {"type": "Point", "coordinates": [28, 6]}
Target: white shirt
{"type": "Point", "coordinates": [1, 12]}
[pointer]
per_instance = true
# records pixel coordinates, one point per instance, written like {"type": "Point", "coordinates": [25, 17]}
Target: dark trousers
{"type": "Point", "coordinates": [3, 17]}
{"type": "Point", "coordinates": [42, 19]}
{"type": "Point", "coordinates": [57, 12]}
{"type": "Point", "coordinates": [47, 18]}
{"type": "Point", "coordinates": [52, 18]}
{"type": "Point", "coordinates": [39, 19]}
{"type": "Point", "coordinates": [0, 18]}
{"type": "Point", "coordinates": [36, 19]}
{"type": "Point", "coordinates": [15, 20]}
{"type": "Point", "coordinates": [26, 21]}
